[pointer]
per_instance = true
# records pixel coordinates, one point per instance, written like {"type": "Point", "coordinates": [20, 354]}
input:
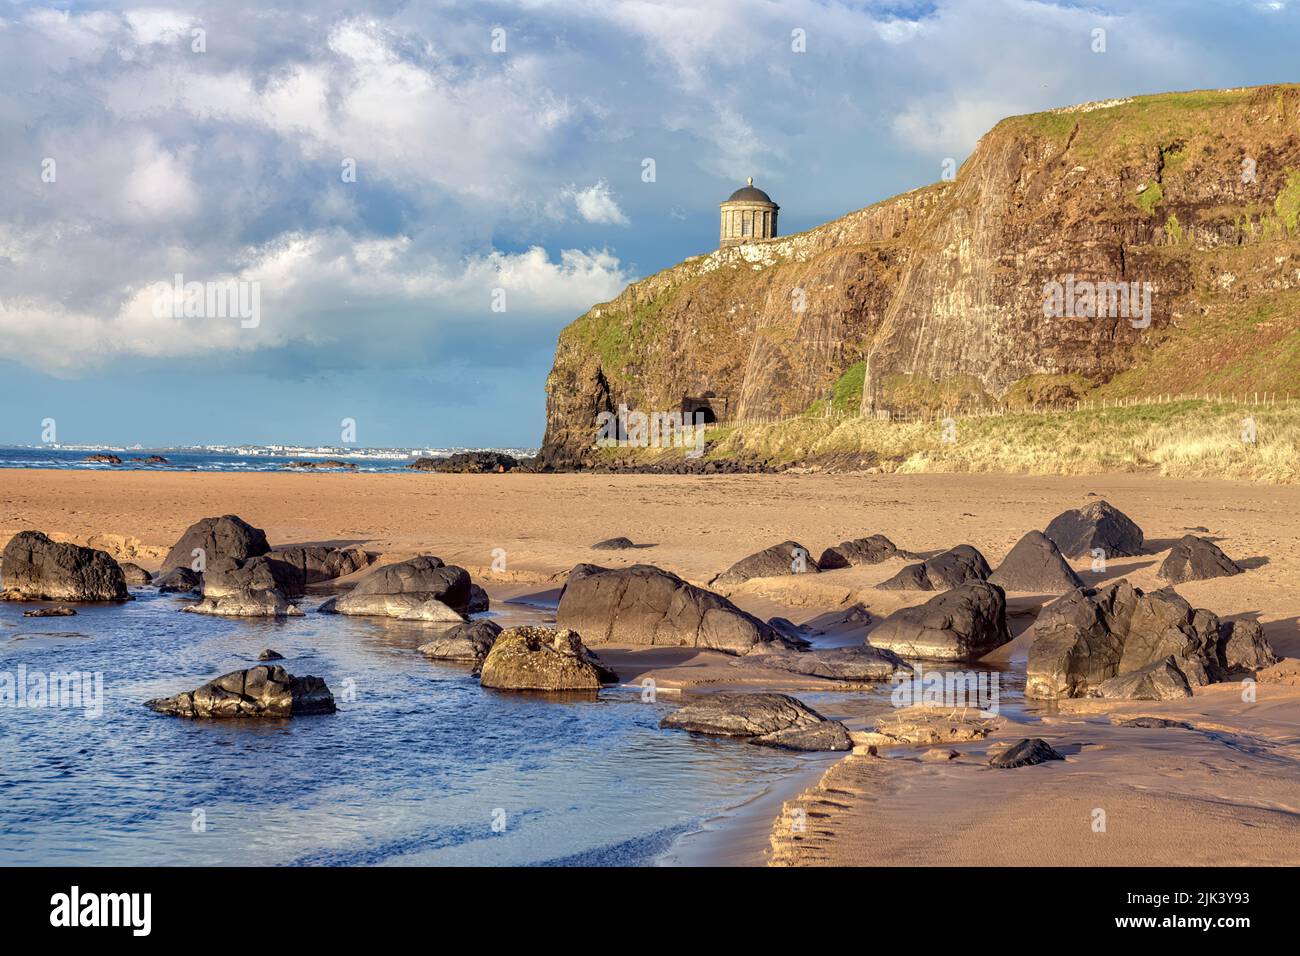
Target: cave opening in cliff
{"type": "Point", "coordinates": [710, 407]}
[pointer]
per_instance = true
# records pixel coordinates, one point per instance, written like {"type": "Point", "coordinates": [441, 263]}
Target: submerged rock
{"type": "Point", "coordinates": [50, 612]}
{"type": "Point", "coordinates": [1151, 723]}
{"type": "Point", "coordinates": [227, 537]}
{"type": "Point", "coordinates": [643, 604]}
{"type": "Point", "coordinates": [261, 691]}
{"type": "Point", "coordinates": [858, 663]}
{"type": "Point", "coordinates": [466, 643]}
{"type": "Point", "coordinates": [772, 720]}
{"type": "Point", "coordinates": [788, 557]}
{"type": "Point", "coordinates": [38, 569]}
{"type": "Point", "coordinates": [537, 658]}
{"type": "Point", "coordinates": [1025, 753]}
{"type": "Point", "coordinates": [872, 549]}
{"type": "Point", "coordinates": [961, 624]}
{"type": "Point", "coordinates": [953, 567]}
{"type": "Point", "coordinates": [1196, 559]}
{"type": "Point", "coordinates": [1036, 564]}
{"type": "Point", "coordinates": [1098, 524]}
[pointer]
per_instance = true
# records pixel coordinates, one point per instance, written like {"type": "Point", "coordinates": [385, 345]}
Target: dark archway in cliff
{"type": "Point", "coordinates": [711, 407]}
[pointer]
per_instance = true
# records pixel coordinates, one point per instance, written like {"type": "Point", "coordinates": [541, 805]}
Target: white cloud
{"type": "Point", "coordinates": [597, 204]}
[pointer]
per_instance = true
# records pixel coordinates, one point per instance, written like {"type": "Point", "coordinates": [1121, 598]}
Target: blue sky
{"type": "Point", "coordinates": [211, 139]}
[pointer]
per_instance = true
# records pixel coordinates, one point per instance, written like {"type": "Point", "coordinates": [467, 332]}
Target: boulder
{"type": "Point", "coordinates": [133, 574]}
{"type": "Point", "coordinates": [1242, 646]}
{"type": "Point", "coordinates": [262, 573]}
{"type": "Point", "coordinates": [1195, 559]}
{"type": "Point", "coordinates": [479, 602]}
{"type": "Point", "coordinates": [643, 604]}
{"type": "Point", "coordinates": [317, 563]}
{"type": "Point", "coordinates": [59, 611]}
{"type": "Point", "coordinates": [247, 602]}
{"type": "Point", "coordinates": [788, 557]}
{"type": "Point", "coordinates": [537, 658]}
{"type": "Point", "coordinates": [858, 663]}
{"type": "Point", "coordinates": [432, 611]}
{"type": "Point", "coordinates": [953, 567]}
{"type": "Point", "coordinates": [872, 549]}
{"type": "Point", "coordinates": [261, 691]}
{"type": "Point", "coordinates": [178, 581]}
{"type": "Point", "coordinates": [38, 569]}
{"type": "Point", "coordinates": [962, 624]}
{"type": "Point", "coordinates": [102, 460]}
{"type": "Point", "coordinates": [394, 589]}
{"type": "Point", "coordinates": [613, 544]}
{"type": "Point", "coordinates": [270, 655]}
{"type": "Point", "coordinates": [774, 720]}
{"type": "Point", "coordinates": [467, 643]}
{"type": "Point", "coordinates": [226, 537]}
{"type": "Point", "coordinates": [1035, 564]}
{"type": "Point", "coordinates": [1092, 636]}
{"type": "Point", "coordinates": [1159, 680]}
{"type": "Point", "coordinates": [1025, 753]}
{"type": "Point", "coordinates": [1098, 524]}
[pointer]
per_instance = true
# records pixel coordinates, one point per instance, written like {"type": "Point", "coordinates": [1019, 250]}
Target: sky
{"type": "Point", "coordinates": [418, 197]}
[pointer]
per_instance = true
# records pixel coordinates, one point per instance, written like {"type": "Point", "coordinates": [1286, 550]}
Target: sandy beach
{"type": "Point", "coordinates": [1226, 791]}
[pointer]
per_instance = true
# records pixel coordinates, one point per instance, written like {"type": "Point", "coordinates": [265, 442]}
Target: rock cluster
{"type": "Point", "coordinates": [261, 691]}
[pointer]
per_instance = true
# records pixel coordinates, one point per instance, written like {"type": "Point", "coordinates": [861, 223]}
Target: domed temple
{"type": "Point", "coordinates": [748, 215]}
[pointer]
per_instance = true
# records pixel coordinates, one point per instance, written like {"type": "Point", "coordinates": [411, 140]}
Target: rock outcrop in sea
{"type": "Point", "coordinates": [261, 691]}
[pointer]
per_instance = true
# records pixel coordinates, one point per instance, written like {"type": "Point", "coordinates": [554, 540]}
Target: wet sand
{"type": "Point", "coordinates": [1228, 791]}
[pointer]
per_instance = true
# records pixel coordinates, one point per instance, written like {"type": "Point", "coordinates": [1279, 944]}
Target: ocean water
{"type": "Point", "coordinates": [60, 458]}
{"type": "Point", "coordinates": [415, 768]}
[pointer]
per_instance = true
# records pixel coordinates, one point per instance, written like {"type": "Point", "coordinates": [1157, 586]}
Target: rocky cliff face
{"type": "Point", "coordinates": [940, 292]}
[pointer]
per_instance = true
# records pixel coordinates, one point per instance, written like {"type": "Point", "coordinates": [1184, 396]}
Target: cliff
{"type": "Point", "coordinates": [935, 298]}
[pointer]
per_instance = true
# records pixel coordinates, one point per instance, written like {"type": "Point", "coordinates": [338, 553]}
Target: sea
{"type": "Point", "coordinates": [233, 459]}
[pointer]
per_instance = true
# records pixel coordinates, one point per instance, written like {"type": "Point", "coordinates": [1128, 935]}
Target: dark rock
{"type": "Point", "coordinates": [465, 643]}
{"type": "Point", "coordinates": [479, 602]}
{"type": "Point", "coordinates": [858, 663]}
{"type": "Point", "coordinates": [133, 574]}
{"type": "Point", "coordinates": [645, 605]}
{"type": "Point", "coordinates": [1026, 753]}
{"type": "Point", "coordinates": [955, 566]}
{"type": "Point", "coordinates": [471, 462]}
{"type": "Point", "coordinates": [261, 691]}
{"type": "Point", "coordinates": [270, 655]}
{"type": "Point", "coordinates": [317, 563]}
{"type": "Point", "coordinates": [246, 602]}
{"type": "Point", "coordinates": [393, 589]}
{"type": "Point", "coordinates": [1098, 524]}
{"type": "Point", "coordinates": [152, 460]}
{"type": "Point", "coordinates": [227, 537]}
{"type": "Point", "coordinates": [102, 460]}
{"type": "Point", "coordinates": [50, 612]}
{"type": "Point", "coordinates": [328, 464]}
{"type": "Point", "coordinates": [788, 557]}
{"type": "Point", "coordinates": [1094, 636]}
{"type": "Point", "coordinates": [262, 573]}
{"type": "Point", "coordinates": [774, 720]}
{"type": "Point", "coordinates": [1153, 723]}
{"type": "Point", "coordinates": [177, 581]}
{"type": "Point", "coordinates": [613, 544]}
{"type": "Point", "coordinates": [962, 624]}
{"type": "Point", "coordinates": [1195, 559]}
{"type": "Point", "coordinates": [1035, 564]}
{"type": "Point", "coordinates": [38, 569]}
{"type": "Point", "coordinates": [537, 658]}
{"type": "Point", "coordinates": [1243, 647]}
{"type": "Point", "coordinates": [872, 549]}
{"type": "Point", "coordinates": [1159, 680]}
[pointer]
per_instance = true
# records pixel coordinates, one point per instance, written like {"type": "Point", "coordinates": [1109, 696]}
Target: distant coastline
{"type": "Point", "coordinates": [226, 458]}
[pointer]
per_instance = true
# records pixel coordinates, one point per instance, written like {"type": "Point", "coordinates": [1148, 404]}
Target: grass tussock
{"type": "Point", "coordinates": [1188, 439]}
